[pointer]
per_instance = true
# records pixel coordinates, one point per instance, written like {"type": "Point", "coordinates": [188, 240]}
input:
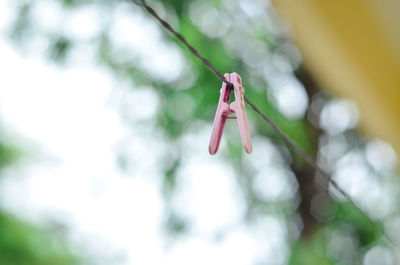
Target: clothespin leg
{"type": "Point", "coordinates": [244, 129]}
{"type": "Point", "coordinates": [223, 110]}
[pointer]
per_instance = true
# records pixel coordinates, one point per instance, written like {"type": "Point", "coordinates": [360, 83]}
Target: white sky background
{"type": "Point", "coordinates": [64, 118]}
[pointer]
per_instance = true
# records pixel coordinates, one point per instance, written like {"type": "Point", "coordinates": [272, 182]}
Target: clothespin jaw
{"type": "Point", "coordinates": [224, 109]}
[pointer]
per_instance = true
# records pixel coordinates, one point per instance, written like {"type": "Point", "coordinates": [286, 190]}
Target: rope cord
{"type": "Point", "coordinates": [274, 127]}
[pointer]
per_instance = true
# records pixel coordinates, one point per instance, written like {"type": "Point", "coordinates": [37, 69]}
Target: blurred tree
{"type": "Point", "coordinates": [252, 43]}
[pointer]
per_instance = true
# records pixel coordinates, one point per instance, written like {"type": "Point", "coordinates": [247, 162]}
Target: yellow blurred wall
{"type": "Point", "coordinates": [353, 48]}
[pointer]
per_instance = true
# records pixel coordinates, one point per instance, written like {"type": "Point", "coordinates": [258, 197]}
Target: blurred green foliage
{"type": "Point", "coordinates": [23, 244]}
{"type": "Point", "coordinates": [8, 155]}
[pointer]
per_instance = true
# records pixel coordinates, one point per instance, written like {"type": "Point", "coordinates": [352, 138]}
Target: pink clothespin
{"type": "Point", "coordinates": [225, 109]}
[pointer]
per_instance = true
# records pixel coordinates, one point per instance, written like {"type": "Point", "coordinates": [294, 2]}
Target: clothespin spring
{"type": "Point", "coordinates": [229, 118]}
